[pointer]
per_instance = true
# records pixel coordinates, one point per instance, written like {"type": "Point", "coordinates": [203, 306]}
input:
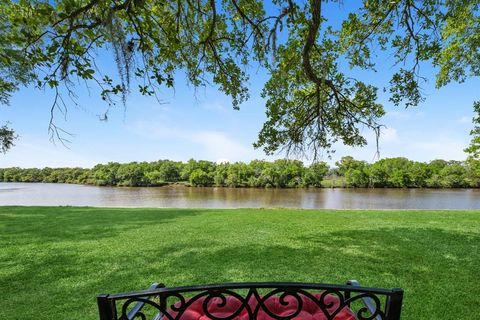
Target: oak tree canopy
{"type": "Point", "coordinates": [312, 99]}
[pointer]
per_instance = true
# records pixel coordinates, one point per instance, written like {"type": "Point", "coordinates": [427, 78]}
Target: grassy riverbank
{"type": "Point", "coordinates": [53, 261]}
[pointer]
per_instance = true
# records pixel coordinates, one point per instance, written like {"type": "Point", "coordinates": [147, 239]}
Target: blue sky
{"type": "Point", "coordinates": [201, 124]}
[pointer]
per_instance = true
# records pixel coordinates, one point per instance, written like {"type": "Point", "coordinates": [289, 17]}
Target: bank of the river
{"type": "Point", "coordinates": [56, 194]}
{"type": "Point", "coordinates": [281, 173]}
{"type": "Point", "coordinates": [54, 260]}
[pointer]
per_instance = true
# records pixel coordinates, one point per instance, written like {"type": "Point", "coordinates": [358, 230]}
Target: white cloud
{"type": "Point", "coordinates": [215, 145]}
{"type": "Point", "coordinates": [399, 114]}
{"type": "Point", "coordinates": [465, 119]}
{"type": "Point", "coordinates": [442, 148]}
{"type": "Point", "coordinates": [414, 145]}
{"type": "Point", "coordinates": [215, 105]}
{"type": "Point", "coordinates": [35, 152]}
{"type": "Point", "coordinates": [154, 130]}
{"type": "Point", "coordinates": [388, 134]}
{"type": "Point", "coordinates": [405, 115]}
{"type": "Point", "coordinates": [219, 145]}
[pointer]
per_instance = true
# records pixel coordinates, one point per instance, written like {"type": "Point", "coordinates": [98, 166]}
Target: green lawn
{"type": "Point", "coordinates": [53, 261]}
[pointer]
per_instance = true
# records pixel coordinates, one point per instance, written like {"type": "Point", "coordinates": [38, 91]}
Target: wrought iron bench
{"type": "Point", "coordinates": [246, 301]}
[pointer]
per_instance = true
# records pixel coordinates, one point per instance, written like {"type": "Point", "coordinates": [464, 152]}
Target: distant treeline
{"type": "Point", "coordinates": [283, 173]}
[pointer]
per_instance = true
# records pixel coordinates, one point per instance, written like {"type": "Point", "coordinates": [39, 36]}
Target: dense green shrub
{"type": "Point", "coordinates": [200, 178]}
{"type": "Point", "coordinates": [282, 173]}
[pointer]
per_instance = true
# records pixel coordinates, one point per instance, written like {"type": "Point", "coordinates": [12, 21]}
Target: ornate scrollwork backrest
{"type": "Point", "coordinates": [246, 301]}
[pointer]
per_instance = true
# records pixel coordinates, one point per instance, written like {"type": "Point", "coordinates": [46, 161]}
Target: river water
{"type": "Point", "coordinates": [49, 194]}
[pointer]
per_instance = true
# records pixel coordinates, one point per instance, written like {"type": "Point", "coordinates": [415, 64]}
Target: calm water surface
{"type": "Point", "coordinates": [48, 194]}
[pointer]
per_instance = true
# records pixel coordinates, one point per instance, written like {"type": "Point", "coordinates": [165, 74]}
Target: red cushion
{"type": "Point", "coordinates": [310, 310]}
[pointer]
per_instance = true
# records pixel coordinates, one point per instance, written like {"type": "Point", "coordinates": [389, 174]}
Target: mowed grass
{"type": "Point", "coordinates": [54, 261]}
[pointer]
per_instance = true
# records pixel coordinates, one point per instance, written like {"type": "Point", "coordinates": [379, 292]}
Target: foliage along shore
{"type": "Point", "coordinates": [282, 173]}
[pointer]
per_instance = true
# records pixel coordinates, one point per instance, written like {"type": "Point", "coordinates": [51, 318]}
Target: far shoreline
{"type": "Point", "coordinates": [187, 185]}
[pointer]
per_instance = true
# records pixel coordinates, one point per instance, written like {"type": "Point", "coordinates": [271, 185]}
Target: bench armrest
{"type": "Point", "coordinates": [139, 305]}
{"type": "Point", "coordinates": [366, 301]}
